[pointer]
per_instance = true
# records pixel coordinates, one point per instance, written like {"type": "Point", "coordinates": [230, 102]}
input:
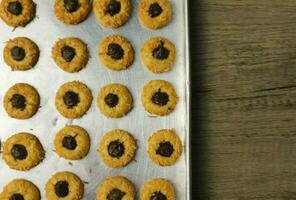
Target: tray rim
{"type": "Point", "coordinates": [188, 101]}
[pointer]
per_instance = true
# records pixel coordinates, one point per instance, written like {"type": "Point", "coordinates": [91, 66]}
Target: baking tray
{"type": "Point", "coordinates": [46, 77]}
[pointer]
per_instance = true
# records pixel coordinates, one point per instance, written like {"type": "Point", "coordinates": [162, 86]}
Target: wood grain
{"type": "Point", "coordinates": [244, 99]}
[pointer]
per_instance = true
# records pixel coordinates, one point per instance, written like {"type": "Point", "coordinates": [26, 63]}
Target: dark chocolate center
{"type": "Point", "coordinates": [15, 8]}
{"type": "Point", "coordinates": [68, 53]}
{"type": "Point", "coordinates": [18, 101]}
{"type": "Point", "coordinates": [115, 149]}
{"type": "Point", "coordinates": [115, 51]}
{"type": "Point", "coordinates": [111, 100]}
{"type": "Point", "coordinates": [17, 53]}
{"type": "Point", "coordinates": [154, 10]}
{"type": "Point", "coordinates": [69, 142]}
{"type": "Point", "coordinates": [113, 7]}
{"type": "Point", "coordinates": [19, 151]}
{"type": "Point", "coordinates": [160, 52]}
{"type": "Point", "coordinates": [160, 98]}
{"type": "Point", "coordinates": [115, 194]}
{"type": "Point", "coordinates": [16, 196]}
{"type": "Point", "coordinates": [165, 149]}
{"type": "Point", "coordinates": [71, 5]}
{"type": "Point", "coordinates": [158, 196]}
{"type": "Point", "coordinates": [71, 99]}
{"type": "Point", "coordinates": [61, 188]}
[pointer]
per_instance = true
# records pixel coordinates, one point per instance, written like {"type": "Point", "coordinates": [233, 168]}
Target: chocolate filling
{"type": "Point", "coordinates": [115, 51]}
{"type": "Point", "coordinates": [69, 142]}
{"type": "Point", "coordinates": [113, 7]}
{"type": "Point", "coordinates": [68, 53]}
{"type": "Point", "coordinates": [158, 196]}
{"type": "Point", "coordinates": [71, 5]}
{"type": "Point", "coordinates": [15, 8]}
{"type": "Point", "coordinates": [17, 196]}
{"type": "Point", "coordinates": [17, 53]}
{"type": "Point", "coordinates": [160, 98]}
{"type": "Point", "coordinates": [61, 188]}
{"type": "Point", "coordinates": [18, 101]}
{"type": "Point", "coordinates": [160, 52]}
{"type": "Point", "coordinates": [111, 100]}
{"type": "Point", "coordinates": [115, 149]}
{"type": "Point", "coordinates": [154, 10]}
{"type": "Point", "coordinates": [165, 149]}
{"type": "Point", "coordinates": [115, 194]}
{"type": "Point", "coordinates": [19, 152]}
{"type": "Point", "coordinates": [71, 99]}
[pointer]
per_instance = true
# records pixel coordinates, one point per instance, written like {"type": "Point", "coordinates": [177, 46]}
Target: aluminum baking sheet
{"type": "Point", "coordinates": [46, 77]}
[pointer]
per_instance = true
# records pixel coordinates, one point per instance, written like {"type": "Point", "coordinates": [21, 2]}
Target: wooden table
{"type": "Point", "coordinates": [244, 99]}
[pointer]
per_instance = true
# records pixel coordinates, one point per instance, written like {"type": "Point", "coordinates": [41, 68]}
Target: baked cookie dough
{"type": "Point", "coordinates": [154, 14]}
{"type": "Point", "coordinates": [72, 11]}
{"type": "Point", "coordinates": [112, 13]}
{"type": "Point", "coordinates": [21, 101]}
{"type": "Point", "coordinates": [17, 12]}
{"type": "Point", "coordinates": [164, 147]}
{"type": "Point", "coordinates": [21, 53]}
{"type": "Point", "coordinates": [159, 97]}
{"type": "Point", "coordinates": [70, 54]}
{"type": "Point", "coordinates": [73, 99]}
{"type": "Point", "coordinates": [158, 189]}
{"type": "Point", "coordinates": [22, 151]}
{"type": "Point", "coordinates": [115, 100]}
{"type": "Point", "coordinates": [116, 188]}
{"type": "Point", "coordinates": [117, 148]}
{"type": "Point", "coordinates": [116, 52]}
{"type": "Point", "coordinates": [158, 54]}
{"type": "Point", "coordinates": [20, 189]}
{"type": "Point", "coordinates": [64, 185]}
{"type": "Point", "coordinates": [72, 142]}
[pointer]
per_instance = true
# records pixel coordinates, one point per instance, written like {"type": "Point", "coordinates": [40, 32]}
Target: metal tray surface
{"type": "Point", "coordinates": [46, 77]}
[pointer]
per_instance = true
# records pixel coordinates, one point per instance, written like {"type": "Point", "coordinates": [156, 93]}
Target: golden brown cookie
{"type": "Point", "coordinates": [73, 99]}
{"type": "Point", "coordinates": [115, 100]}
{"type": "Point", "coordinates": [22, 151]}
{"type": "Point", "coordinates": [72, 142]}
{"type": "Point", "coordinates": [159, 97]}
{"type": "Point", "coordinates": [158, 54]}
{"type": "Point", "coordinates": [164, 147]}
{"type": "Point", "coordinates": [21, 53]}
{"type": "Point", "coordinates": [112, 13]}
{"type": "Point", "coordinates": [64, 185]}
{"type": "Point", "coordinates": [21, 101]}
{"type": "Point", "coordinates": [116, 52]}
{"type": "Point", "coordinates": [116, 187]}
{"type": "Point", "coordinates": [158, 189]}
{"type": "Point", "coordinates": [70, 54]}
{"type": "Point", "coordinates": [154, 14]}
{"type": "Point", "coordinates": [20, 189]}
{"type": "Point", "coordinates": [117, 148]}
{"type": "Point", "coordinates": [72, 11]}
{"type": "Point", "coordinates": [17, 12]}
